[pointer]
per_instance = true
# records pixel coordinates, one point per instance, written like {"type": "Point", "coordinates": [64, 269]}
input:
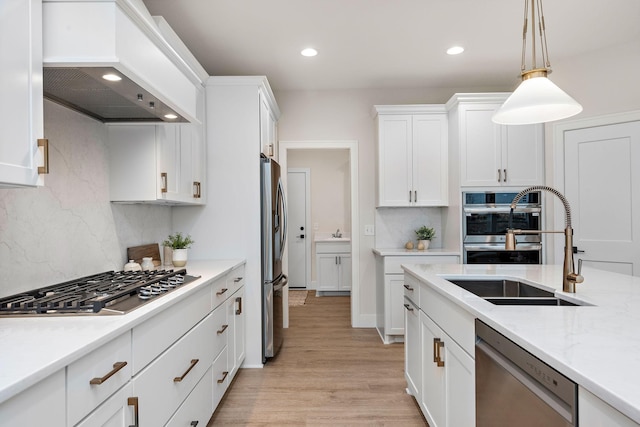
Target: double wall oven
{"type": "Point", "coordinates": [485, 219]}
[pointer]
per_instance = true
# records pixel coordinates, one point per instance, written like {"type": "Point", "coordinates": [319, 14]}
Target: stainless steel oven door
{"type": "Point", "coordinates": [482, 224]}
{"type": "Point", "coordinates": [494, 253]}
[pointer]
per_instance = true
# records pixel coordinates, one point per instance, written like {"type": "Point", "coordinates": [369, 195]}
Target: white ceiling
{"type": "Point", "coordinates": [387, 43]}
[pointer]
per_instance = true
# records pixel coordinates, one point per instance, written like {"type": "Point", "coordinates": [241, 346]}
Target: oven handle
{"type": "Point", "coordinates": [500, 247]}
{"type": "Point", "coordinates": [498, 209]}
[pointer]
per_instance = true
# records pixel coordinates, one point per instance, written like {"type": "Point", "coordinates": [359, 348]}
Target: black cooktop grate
{"type": "Point", "coordinates": [91, 294]}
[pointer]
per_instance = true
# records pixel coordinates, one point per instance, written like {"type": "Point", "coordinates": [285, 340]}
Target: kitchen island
{"type": "Point", "coordinates": [597, 344]}
{"type": "Point", "coordinates": [62, 353]}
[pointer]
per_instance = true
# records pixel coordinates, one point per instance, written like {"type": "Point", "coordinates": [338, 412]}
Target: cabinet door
{"type": "Point", "coordinates": [21, 104]}
{"type": "Point", "coordinates": [40, 405]}
{"type": "Point", "coordinates": [168, 140]}
{"type": "Point", "coordinates": [523, 155]}
{"type": "Point", "coordinates": [395, 160]}
{"type": "Point", "coordinates": [460, 385]}
{"type": "Point", "coordinates": [413, 349]}
{"type": "Point", "coordinates": [328, 272]}
{"type": "Point", "coordinates": [198, 163]}
{"type": "Point", "coordinates": [267, 129]}
{"type": "Point", "coordinates": [239, 330]}
{"type": "Point", "coordinates": [344, 265]}
{"type": "Point", "coordinates": [433, 376]}
{"type": "Point", "coordinates": [430, 160]}
{"type": "Point", "coordinates": [117, 411]}
{"type": "Point", "coordinates": [480, 146]}
{"type": "Point", "coordinates": [395, 301]}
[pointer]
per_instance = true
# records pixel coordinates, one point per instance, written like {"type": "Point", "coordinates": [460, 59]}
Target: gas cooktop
{"type": "Point", "coordinates": [111, 292]}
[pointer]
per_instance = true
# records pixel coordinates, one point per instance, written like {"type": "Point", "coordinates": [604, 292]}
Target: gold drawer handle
{"type": "Point", "coordinates": [407, 287]}
{"type": "Point", "coordinates": [163, 179]}
{"type": "Point", "coordinates": [224, 328]}
{"type": "Point", "coordinates": [408, 307]}
{"type": "Point", "coordinates": [239, 310]}
{"type": "Point", "coordinates": [224, 377]}
{"type": "Point", "coordinates": [133, 401]}
{"type": "Point", "coordinates": [197, 190]}
{"type": "Point", "coordinates": [222, 291]}
{"type": "Point", "coordinates": [116, 367]}
{"type": "Point", "coordinates": [237, 279]}
{"type": "Point", "coordinates": [437, 357]}
{"type": "Point", "coordinates": [193, 363]}
{"type": "Point", "coordinates": [44, 143]}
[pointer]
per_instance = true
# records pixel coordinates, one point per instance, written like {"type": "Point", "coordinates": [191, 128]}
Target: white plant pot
{"type": "Point", "coordinates": [424, 243]}
{"type": "Point", "coordinates": [179, 257]}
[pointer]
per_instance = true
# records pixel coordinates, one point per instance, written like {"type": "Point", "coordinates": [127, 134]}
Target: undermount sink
{"type": "Point", "coordinates": [510, 292]}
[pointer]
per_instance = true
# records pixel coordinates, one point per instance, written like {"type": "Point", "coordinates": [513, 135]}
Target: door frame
{"type": "Point", "coordinates": [357, 320]}
{"type": "Point", "coordinates": [558, 179]}
{"type": "Point", "coordinates": [307, 219]}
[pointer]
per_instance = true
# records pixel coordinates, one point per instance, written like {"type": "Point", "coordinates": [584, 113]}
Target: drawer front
{"type": "Point", "coordinates": [221, 377]}
{"type": "Point", "coordinates": [108, 367]}
{"type": "Point", "coordinates": [222, 289]}
{"type": "Point", "coordinates": [453, 319]}
{"type": "Point", "coordinates": [166, 382]}
{"type": "Point", "coordinates": [197, 409]}
{"type": "Point", "coordinates": [115, 411]}
{"type": "Point", "coordinates": [222, 328]}
{"type": "Point", "coordinates": [156, 334]}
{"type": "Point", "coordinates": [333, 248]}
{"type": "Point", "coordinates": [392, 263]}
{"type": "Point", "coordinates": [411, 289]}
{"type": "Point", "coordinates": [235, 279]}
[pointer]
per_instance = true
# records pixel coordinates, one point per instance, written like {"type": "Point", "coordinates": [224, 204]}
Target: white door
{"type": "Point", "coordinates": [602, 172]}
{"type": "Point", "coordinates": [299, 244]}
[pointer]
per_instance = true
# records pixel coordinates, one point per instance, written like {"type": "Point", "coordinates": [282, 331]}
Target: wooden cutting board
{"type": "Point", "coordinates": [152, 250]}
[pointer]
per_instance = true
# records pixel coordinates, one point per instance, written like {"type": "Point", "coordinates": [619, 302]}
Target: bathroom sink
{"type": "Point", "coordinates": [510, 292]}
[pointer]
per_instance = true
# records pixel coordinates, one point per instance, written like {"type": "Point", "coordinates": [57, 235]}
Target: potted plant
{"type": "Point", "coordinates": [179, 244]}
{"type": "Point", "coordinates": [425, 234]}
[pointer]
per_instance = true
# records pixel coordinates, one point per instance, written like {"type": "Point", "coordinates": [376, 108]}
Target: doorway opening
{"type": "Point", "coordinates": [351, 148]}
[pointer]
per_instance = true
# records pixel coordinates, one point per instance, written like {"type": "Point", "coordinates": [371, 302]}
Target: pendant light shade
{"type": "Point", "coordinates": [537, 99]}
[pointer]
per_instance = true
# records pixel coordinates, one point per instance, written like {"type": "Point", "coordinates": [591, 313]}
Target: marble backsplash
{"type": "Point", "coordinates": [396, 226]}
{"type": "Point", "coordinates": [68, 228]}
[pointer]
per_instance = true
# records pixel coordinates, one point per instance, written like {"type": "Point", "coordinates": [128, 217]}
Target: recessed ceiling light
{"type": "Point", "coordinates": [170, 116]}
{"type": "Point", "coordinates": [112, 77]}
{"type": "Point", "coordinates": [455, 50]}
{"type": "Point", "coordinates": [309, 52]}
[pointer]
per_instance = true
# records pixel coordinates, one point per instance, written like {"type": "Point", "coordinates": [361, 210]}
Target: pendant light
{"type": "Point", "coordinates": [537, 99]}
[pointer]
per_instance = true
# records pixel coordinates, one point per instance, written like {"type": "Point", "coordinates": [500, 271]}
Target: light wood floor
{"type": "Point", "coordinates": [326, 373]}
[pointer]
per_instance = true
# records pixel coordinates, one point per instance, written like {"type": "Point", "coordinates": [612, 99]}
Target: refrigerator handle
{"type": "Point", "coordinates": [284, 217]}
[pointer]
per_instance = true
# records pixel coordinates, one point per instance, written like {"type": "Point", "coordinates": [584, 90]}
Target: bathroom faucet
{"type": "Point", "coordinates": [569, 276]}
{"type": "Point", "coordinates": [337, 234]}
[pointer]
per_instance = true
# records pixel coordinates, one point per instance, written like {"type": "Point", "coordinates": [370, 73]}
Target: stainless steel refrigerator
{"type": "Point", "coordinates": [274, 236]}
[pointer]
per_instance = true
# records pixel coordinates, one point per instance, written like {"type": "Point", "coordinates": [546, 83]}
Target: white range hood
{"type": "Point", "coordinates": [84, 40]}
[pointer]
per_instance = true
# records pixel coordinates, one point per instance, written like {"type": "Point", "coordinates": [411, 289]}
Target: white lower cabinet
{"type": "Point", "coordinates": [593, 412]}
{"type": "Point", "coordinates": [333, 265]}
{"type": "Point", "coordinates": [117, 411]}
{"type": "Point", "coordinates": [440, 371]}
{"type": "Point", "coordinates": [40, 405]}
{"type": "Point", "coordinates": [390, 291]}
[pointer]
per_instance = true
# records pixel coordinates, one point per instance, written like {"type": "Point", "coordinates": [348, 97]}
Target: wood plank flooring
{"type": "Point", "coordinates": [326, 373]}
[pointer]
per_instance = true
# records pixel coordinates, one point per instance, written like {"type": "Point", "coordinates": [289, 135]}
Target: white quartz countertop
{"type": "Point", "coordinates": [596, 346]}
{"type": "Point", "coordinates": [414, 252]}
{"type": "Point", "coordinates": [321, 237]}
{"type": "Point", "coordinates": [36, 347]}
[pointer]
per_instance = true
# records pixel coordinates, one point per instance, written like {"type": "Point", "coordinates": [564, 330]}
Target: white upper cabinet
{"type": "Point", "coordinates": [156, 163]}
{"type": "Point", "coordinates": [494, 155]}
{"type": "Point", "coordinates": [268, 129]}
{"type": "Point", "coordinates": [412, 155]}
{"type": "Point", "coordinates": [21, 88]}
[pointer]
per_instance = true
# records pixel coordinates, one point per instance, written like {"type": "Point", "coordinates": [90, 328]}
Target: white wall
{"type": "Point", "coordinates": [68, 228]}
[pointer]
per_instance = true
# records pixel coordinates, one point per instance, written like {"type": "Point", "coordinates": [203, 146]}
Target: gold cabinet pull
{"type": "Point", "coordinates": [437, 357]}
{"type": "Point", "coordinates": [116, 367]}
{"type": "Point", "coordinates": [224, 328]}
{"type": "Point", "coordinates": [222, 291]}
{"type": "Point", "coordinates": [133, 401]}
{"type": "Point", "coordinates": [407, 287]}
{"type": "Point", "coordinates": [237, 279]}
{"type": "Point", "coordinates": [163, 179]}
{"type": "Point", "coordinates": [196, 190]}
{"type": "Point", "coordinates": [193, 363]}
{"type": "Point", "coordinates": [408, 307]}
{"type": "Point", "coordinates": [44, 143]}
{"type": "Point", "coordinates": [239, 310]}
{"type": "Point", "coordinates": [224, 377]}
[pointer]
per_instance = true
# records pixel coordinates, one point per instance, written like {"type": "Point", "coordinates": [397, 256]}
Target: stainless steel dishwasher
{"type": "Point", "coordinates": [514, 388]}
